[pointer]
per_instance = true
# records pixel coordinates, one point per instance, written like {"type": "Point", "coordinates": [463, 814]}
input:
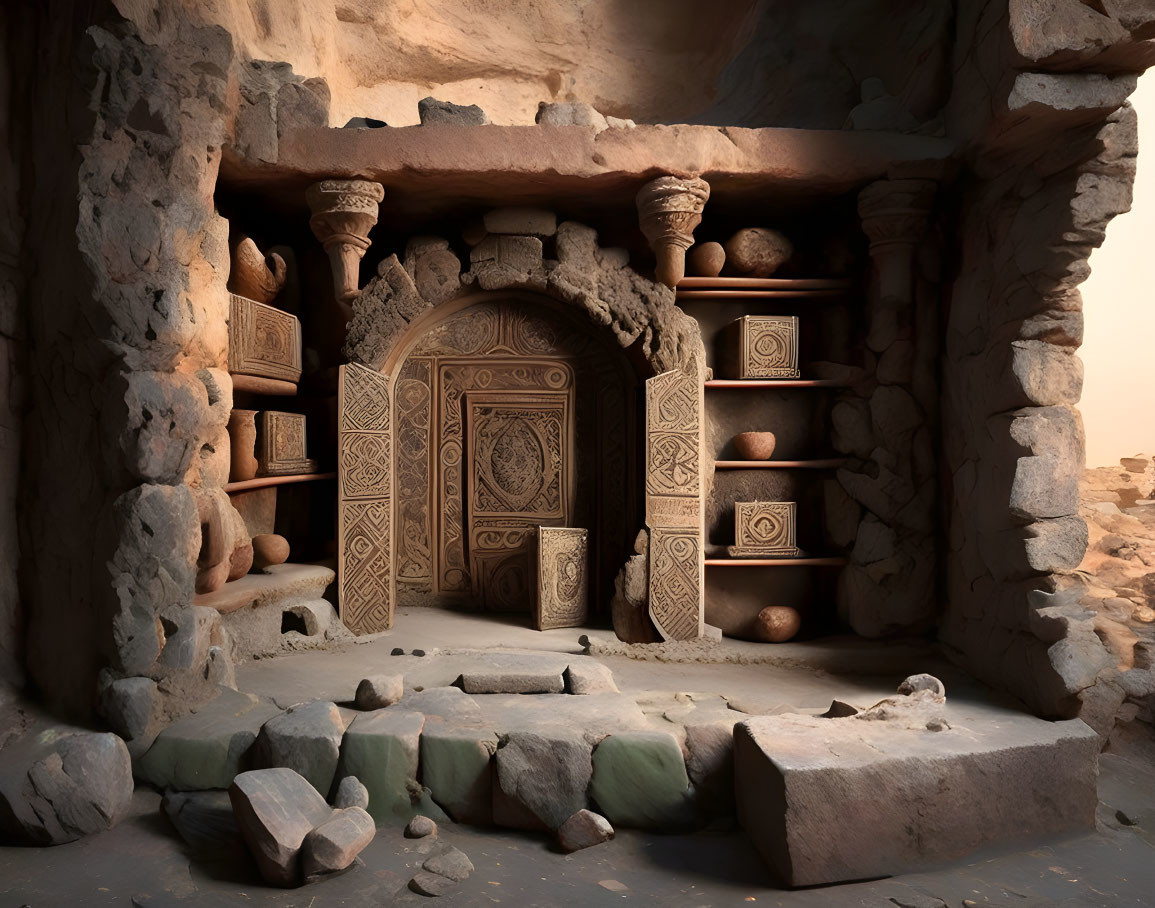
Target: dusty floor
{"type": "Point", "coordinates": [142, 862]}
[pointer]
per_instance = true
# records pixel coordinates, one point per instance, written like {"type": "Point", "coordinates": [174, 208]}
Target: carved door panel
{"type": "Point", "coordinates": [559, 567]}
{"type": "Point", "coordinates": [520, 475]}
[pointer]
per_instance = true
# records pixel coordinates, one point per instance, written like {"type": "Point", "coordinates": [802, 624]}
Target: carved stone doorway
{"type": "Point", "coordinates": [509, 413]}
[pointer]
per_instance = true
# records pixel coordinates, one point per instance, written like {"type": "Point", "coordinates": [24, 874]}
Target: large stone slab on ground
{"type": "Point", "coordinates": [381, 749]}
{"type": "Point", "coordinates": [640, 780]}
{"type": "Point", "coordinates": [275, 810]}
{"type": "Point", "coordinates": [306, 739]}
{"type": "Point", "coordinates": [828, 800]}
{"type": "Point", "coordinates": [515, 673]}
{"type": "Point", "coordinates": [588, 676]}
{"type": "Point", "coordinates": [333, 845]}
{"type": "Point", "coordinates": [457, 768]}
{"type": "Point", "coordinates": [449, 703]}
{"type": "Point", "coordinates": [204, 819]}
{"type": "Point", "coordinates": [594, 715]}
{"type": "Point", "coordinates": [546, 772]}
{"type": "Point", "coordinates": [59, 784]}
{"type": "Point", "coordinates": [206, 749]}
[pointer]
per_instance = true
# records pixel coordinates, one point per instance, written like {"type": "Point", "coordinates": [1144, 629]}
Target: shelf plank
{"type": "Point", "coordinates": [263, 482]}
{"type": "Point", "coordinates": [256, 385]}
{"type": "Point", "coordinates": [825, 561]}
{"type": "Point", "coordinates": [721, 296]}
{"type": "Point", "coordinates": [764, 283]}
{"type": "Point", "coordinates": [770, 384]}
{"type": "Point", "coordinates": [828, 463]}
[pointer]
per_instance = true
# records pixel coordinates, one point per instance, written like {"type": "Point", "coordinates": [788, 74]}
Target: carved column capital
{"type": "Point", "coordinates": [895, 211]}
{"type": "Point", "coordinates": [344, 211]}
{"type": "Point", "coordinates": [669, 208]}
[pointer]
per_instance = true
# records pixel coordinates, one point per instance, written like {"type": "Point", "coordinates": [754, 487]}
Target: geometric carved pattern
{"type": "Point", "coordinates": [674, 507]}
{"type": "Point", "coordinates": [676, 582]}
{"type": "Point", "coordinates": [364, 556]}
{"type": "Point", "coordinates": [281, 447]}
{"type": "Point", "coordinates": [765, 528]}
{"type": "Point", "coordinates": [673, 441]}
{"type": "Point", "coordinates": [767, 346]}
{"type": "Point", "coordinates": [411, 474]}
{"type": "Point", "coordinates": [263, 340]}
{"type": "Point", "coordinates": [561, 574]}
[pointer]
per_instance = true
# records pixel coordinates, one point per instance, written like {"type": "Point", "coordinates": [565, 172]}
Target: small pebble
{"type": "Point", "coordinates": [418, 652]}
{"type": "Point", "coordinates": [397, 651]}
{"type": "Point", "coordinates": [420, 827]}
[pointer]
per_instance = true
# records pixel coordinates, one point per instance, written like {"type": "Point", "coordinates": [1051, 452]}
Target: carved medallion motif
{"type": "Point", "coordinates": [561, 577]}
{"type": "Point", "coordinates": [766, 347]}
{"type": "Point", "coordinates": [766, 528]}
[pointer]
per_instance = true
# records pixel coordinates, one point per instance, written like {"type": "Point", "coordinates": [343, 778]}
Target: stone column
{"type": "Point", "coordinates": [894, 217]}
{"type": "Point", "coordinates": [344, 211]}
{"type": "Point", "coordinates": [669, 208]}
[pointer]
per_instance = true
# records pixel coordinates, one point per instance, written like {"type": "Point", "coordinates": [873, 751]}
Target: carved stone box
{"type": "Point", "coordinates": [765, 529]}
{"type": "Point", "coordinates": [760, 346]}
{"type": "Point", "coordinates": [263, 340]}
{"type": "Point", "coordinates": [559, 568]}
{"type": "Point", "coordinates": [281, 444]}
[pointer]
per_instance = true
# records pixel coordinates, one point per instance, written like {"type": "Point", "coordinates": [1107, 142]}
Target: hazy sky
{"type": "Point", "coordinates": [1119, 307]}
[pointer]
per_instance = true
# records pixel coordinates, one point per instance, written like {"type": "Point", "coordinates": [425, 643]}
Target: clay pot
{"type": "Point", "coordinates": [269, 549]}
{"type": "Point", "coordinates": [707, 259]}
{"type": "Point", "coordinates": [255, 275]}
{"type": "Point", "coordinates": [777, 623]}
{"type": "Point", "coordinates": [755, 445]}
{"type": "Point", "coordinates": [757, 252]}
{"type": "Point", "coordinates": [242, 445]}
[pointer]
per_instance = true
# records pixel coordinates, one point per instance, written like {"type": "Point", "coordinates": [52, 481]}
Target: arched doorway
{"type": "Point", "coordinates": [509, 413]}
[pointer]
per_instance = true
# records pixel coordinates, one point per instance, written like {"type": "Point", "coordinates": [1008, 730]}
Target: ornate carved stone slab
{"type": "Point", "coordinates": [263, 340]}
{"type": "Point", "coordinates": [281, 444]}
{"type": "Point", "coordinates": [674, 424]}
{"type": "Point", "coordinates": [560, 571]}
{"type": "Point", "coordinates": [765, 528]}
{"type": "Point", "coordinates": [518, 451]}
{"type": "Point", "coordinates": [364, 555]}
{"type": "Point", "coordinates": [761, 346]}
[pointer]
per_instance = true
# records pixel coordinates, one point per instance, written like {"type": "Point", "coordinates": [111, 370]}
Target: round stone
{"type": "Point", "coordinates": [758, 251]}
{"type": "Point", "coordinates": [269, 549]}
{"type": "Point", "coordinates": [754, 445]}
{"type": "Point", "coordinates": [777, 623]}
{"type": "Point", "coordinates": [707, 259]}
{"type": "Point", "coordinates": [420, 827]}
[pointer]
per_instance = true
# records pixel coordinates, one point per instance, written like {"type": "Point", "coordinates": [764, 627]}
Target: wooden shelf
{"type": "Point", "coordinates": [263, 482]}
{"type": "Point", "coordinates": [256, 385]}
{"type": "Point", "coordinates": [828, 561]}
{"type": "Point", "coordinates": [771, 384]}
{"type": "Point", "coordinates": [763, 283]}
{"type": "Point", "coordinates": [688, 296]}
{"type": "Point", "coordinates": [829, 463]}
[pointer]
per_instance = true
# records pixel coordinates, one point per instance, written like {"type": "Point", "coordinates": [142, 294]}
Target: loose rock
{"type": "Point", "coordinates": [583, 830]}
{"type": "Point", "coordinates": [758, 252]}
{"type": "Point", "coordinates": [923, 682]}
{"type": "Point", "coordinates": [589, 677]}
{"type": "Point", "coordinates": [444, 113]}
{"type": "Point", "coordinates": [306, 739]}
{"type": "Point", "coordinates": [379, 691]}
{"type": "Point", "coordinates": [777, 623]}
{"type": "Point", "coordinates": [450, 863]}
{"type": "Point", "coordinates": [706, 259]}
{"type": "Point", "coordinates": [431, 884]}
{"type": "Point", "coordinates": [333, 845]}
{"type": "Point", "coordinates": [544, 772]}
{"type": "Point", "coordinates": [351, 793]}
{"type": "Point", "coordinates": [420, 827]}
{"type": "Point", "coordinates": [269, 549]}
{"type": "Point", "coordinates": [275, 810]}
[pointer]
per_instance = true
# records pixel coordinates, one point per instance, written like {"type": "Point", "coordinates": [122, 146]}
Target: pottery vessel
{"type": "Point", "coordinates": [242, 445]}
{"type": "Point", "coordinates": [777, 623]}
{"type": "Point", "coordinates": [755, 445]}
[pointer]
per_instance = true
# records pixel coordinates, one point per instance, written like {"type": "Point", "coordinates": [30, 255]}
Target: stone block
{"type": "Point", "coordinates": [640, 780]}
{"type": "Point", "coordinates": [333, 845]}
{"type": "Point", "coordinates": [129, 705]}
{"type": "Point", "coordinates": [569, 113]}
{"type": "Point", "coordinates": [522, 254]}
{"type": "Point", "coordinates": [449, 703]}
{"type": "Point", "coordinates": [512, 673]}
{"type": "Point", "coordinates": [60, 784]}
{"type": "Point", "coordinates": [445, 113]}
{"type": "Point", "coordinates": [828, 800]}
{"type": "Point", "coordinates": [457, 768]}
{"type": "Point", "coordinates": [306, 739]}
{"type": "Point", "coordinates": [382, 749]}
{"type": "Point", "coordinates": [546, 772]}
{"type": "Point", "coordinates": [351, 793]}
{"type": "Point", "coordinates": [275, 810]}
{"type": "Point", "coordinates": [710, 763]}
{"type": "Point", "coordinates": [583, 830]}
{"type": "Point", "coordinates": [589, 677]}
{"type": "Point", "coordinates": [379, 691]}
{"type": "Point", "coordinates": [206, 749]}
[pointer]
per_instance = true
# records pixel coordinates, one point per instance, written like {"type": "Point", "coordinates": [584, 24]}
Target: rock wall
{"type": "Point", "coordinates": [1040, 111]}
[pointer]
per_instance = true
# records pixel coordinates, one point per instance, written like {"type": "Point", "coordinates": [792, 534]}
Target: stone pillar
{"type": "Point", "coordinates": [669, 208]}
{"type": "Point", "coordinates": [889, 422]}
{"type": "Point", "coordinates": [894, 217]}
{"type": "Point", "coordinates": [344, 211]}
